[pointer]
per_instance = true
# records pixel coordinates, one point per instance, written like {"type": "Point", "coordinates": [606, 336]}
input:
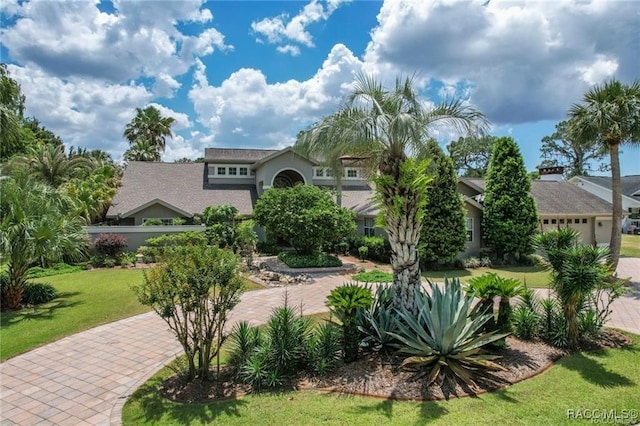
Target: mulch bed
{"type": "Point", "coordinates": [381, 376]}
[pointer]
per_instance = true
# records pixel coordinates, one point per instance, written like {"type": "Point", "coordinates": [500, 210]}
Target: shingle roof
{"type": "Point", "coordinates": [181, 185]}
{"type": "Point", "coordinates": [562, 197]}
{"type": "Point", "coordinates": [360, 201]}
{"type": "Point", "coordinates": [630, 184]}
{"type": "Point", "coordinates": [236, 155]}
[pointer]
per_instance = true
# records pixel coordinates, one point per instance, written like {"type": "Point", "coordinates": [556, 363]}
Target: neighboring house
{"type": "Point", "coordinates": [560, 204]}
{"type": "Point", "coordinates": [238, 177]}
{"type": "Point", "coordinates": [600, 186]}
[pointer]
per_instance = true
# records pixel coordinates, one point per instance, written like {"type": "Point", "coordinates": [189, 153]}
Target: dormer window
{"type": "Point", "coordinates": [233, 171]}
{"type": "Point", "coordinates": [244, 171]}
{"type": "Point", "coordinates": [352, 173]}
{"type": "Point", "coordinates": [319, 172]}
{"type": "Point", "coordinates": [222, 171]}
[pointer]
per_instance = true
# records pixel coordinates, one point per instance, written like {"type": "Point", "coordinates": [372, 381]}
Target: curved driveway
{"type": "Point", "coordinates": [84, 379]}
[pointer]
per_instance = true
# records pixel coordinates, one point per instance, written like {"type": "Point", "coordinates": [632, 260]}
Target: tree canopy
{"type": "Point", "coordinates": [147, 133]}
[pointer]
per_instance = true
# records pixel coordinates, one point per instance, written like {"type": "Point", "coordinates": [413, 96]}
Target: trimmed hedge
{"type": "Point", "coordinates": [315, 260]}
{"type": "Point", "coordinates": [378, 248]}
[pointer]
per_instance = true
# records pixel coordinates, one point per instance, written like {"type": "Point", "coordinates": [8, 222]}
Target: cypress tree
{"type": "Point", "coordinates": [443, 233]}
{"type": "Point", "coordinates": [510, 216]}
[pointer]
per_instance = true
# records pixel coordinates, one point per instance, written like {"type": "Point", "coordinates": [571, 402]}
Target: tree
{"type": "Point", "coordinates": [509, 217]}
{"type": "Point", "coordinates": [221, 224]}
{"type": "Point", "coordinates": [142, 150]}
{"type": "Point", "coordinates": [305, 216]}
{"type": "Point", "coordinates": [444, 233]}
{"type": "Point", "coordinates": [149, 127]}
{"type": "Point", "coordinates": [610, 114]}
{"type": "Point", "coordinates": [471, 155]}
{"type": "Point", "coordinates": [11, 114]}
{"type": "Point", "coordinates": [36, 226]}
{"type": "Point", "coordinates": [93, 193]}
{"type": "Point", "coordinates": [561, 149]}
{"type": "Point", "coordinates": [50, 164]}
{"type": "Point", "coordinates": [384, 126]}
{"type": "Point", "coordinates": [193, 291]}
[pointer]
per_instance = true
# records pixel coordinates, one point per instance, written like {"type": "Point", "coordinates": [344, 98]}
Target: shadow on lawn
{"type": "Point", "coordinates": [155, 407]}
{"type": "Point", "coordinates": [429, 410]}
{"type": "Point", "coordinates": [40, 312]}
{"type": "Point", "coordinates": [595, 372]}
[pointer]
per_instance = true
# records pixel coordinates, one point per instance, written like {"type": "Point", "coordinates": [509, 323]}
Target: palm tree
{"type": "Point", "coordinates": [142, 150]}
{"type": "Point", "coordinates": [50, 164]}
{"type": "Point", "coordinates": [11, 114]}
{"type": "Point", "coordinates": [386, 125]}
{"type": "Point", "coordinates": [610, 114]}
{"type": "Point", "coordinates": [149, 127]}
{"type": "Point", "coordinates": [35, 225]}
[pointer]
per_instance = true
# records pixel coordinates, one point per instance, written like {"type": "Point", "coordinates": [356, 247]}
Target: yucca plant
{"type": "Point", "coordinates": [444, 341]}
{"type": "Point", "coordinates": [524, 322]}
{"type": "Point", "coordinates": [344, 302]}
{"type": "Point", "coordinates": [324, 348]}
{"type": "Point", "coordinates": [244, 339]}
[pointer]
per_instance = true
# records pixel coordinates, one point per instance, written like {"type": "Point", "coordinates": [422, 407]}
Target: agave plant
{"type": "Point", "coordinates": [378, 320]}
{"type": "Point", "coordinates": [444, 342]}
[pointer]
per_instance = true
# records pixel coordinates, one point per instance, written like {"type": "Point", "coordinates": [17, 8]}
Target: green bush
{"type": "Point", "coordinates": [38, 293]}
{"type": "Point", "coordinates": [344, 302]}
{"type": "Point", "coordinates": [374, 276]}
{"type": "Point", "coordinates": [524, 323]}
{"type": "Point", "coordinates": [325, 346]}
{"type": "Point", "coordinates": [58, 269]}
{"type": "Point", "coordinates": [378, 248]}
{"type": "Point", "coordinates": [316, 260]}
{"type": "Point", "coordinates": [268, 248]}
{"type": "Point", "coordinates": [363, 252]}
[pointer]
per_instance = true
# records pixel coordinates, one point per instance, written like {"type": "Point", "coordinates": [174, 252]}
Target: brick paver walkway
{"type": "Point", "coordinates": [85, 379]}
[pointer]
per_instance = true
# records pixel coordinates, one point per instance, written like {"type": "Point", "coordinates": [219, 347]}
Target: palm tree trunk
{"type": "Point", "coordinates": [616, 201]}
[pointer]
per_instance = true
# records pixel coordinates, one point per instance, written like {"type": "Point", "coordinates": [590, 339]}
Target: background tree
{"type": "Point", "coordinates": [444, 233]}
{"type": "Point", "coordinates": [11, 114]}
{"type": "Point", "coordinates": [221, 224]}
{"type": "Point", "coordinates": [35, 226]}
{"type": "Point", "coordinates": [561, 149]}
{"type": "Point", "coordinates": [149, 128]}
{"type": "Point", "coordinates": [142, 150]}
{"type": "Point", "coordinates": [386, 125]}
{"type": "Point", "coordinates": [610, 114]}
{"type": "Point", "coordinates": [50, 164]}
{"type": "Point", "coordinates": [509, 217]}
{"type": "Point", "coordinates": [471, 155]}
{"type": "Point", "coordinates": [305, 216]}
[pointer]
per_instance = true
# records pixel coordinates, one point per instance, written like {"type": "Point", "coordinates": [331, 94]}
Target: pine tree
{"type": "Point", "coordinates": [510, 216]}
{"type": "Point", "coordinates": [443, 233]}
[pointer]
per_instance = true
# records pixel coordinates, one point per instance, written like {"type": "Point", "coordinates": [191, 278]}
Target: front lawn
{"type": "Point", "coordinates": [85, 300]}
{"type": "Point", "coordinates": [534, 276]}
{"type": "Point", "coordinates": [630, 245]}
{"type": "Point", "coordinates": [599, 380]}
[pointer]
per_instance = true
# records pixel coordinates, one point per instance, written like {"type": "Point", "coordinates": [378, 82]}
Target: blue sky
{"type": "Point", "coordinates": [253, 73]}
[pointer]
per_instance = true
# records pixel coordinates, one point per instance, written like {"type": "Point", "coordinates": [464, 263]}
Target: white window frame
{"type": "Point", "coordinates": [221, 171]}
{"type": "Point", "coordinates": [242, 171]}
{"type": "Point", "coordinates": [470, 229]}
{"type": "Point", "coordinates": [235, 171]}
{"type": "Point", "coordinates": [369, 227]}
{"type": "Point", "coordinates": [355, 172]}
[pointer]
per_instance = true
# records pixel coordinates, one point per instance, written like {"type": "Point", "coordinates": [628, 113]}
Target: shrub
{"type": "Point", "coordinates": [267, 247]}
{"type": "Point", "coordinates": [38, 293]}
{"type": "Point", "coordinates": [325, 345]}
{"type": "Point", "coordinates": [344, 302]}
{"type": "Point", "coordinates": [110, 245]}
{"type": "Point", "coordinates": [317, 260]}
{"type": "Point", "coordinates": [58, 269]}
{"type": "Point", "coordinates": [378, 248]}
{"type": "Point", "coordinates": [128, 258]}
{"type": "Point", "coordinates": [363, 252]}
{"type": "Point", "coordinates": [374, 276]}
{"type": "Point", "coordinates": [244, 340]}
{"type": "Point", "coordinates": [445, 340]}
{"type": "Point", "coordinates": [524, 323]}
{"type": "Point", "coordinates": [152, 222]}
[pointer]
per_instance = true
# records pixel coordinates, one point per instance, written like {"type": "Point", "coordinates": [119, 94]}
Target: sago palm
{"type": "Point", "coordinates": [386, 127]}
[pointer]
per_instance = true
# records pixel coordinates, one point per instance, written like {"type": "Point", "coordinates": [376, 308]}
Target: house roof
{"type": "Point", "coordinates": [557, 198]}
{"type": "Point", "coordinates": [282, 152]}
{"type": "Point", "coordinates": [630, 184]}
{"type": "Point", "coordinates": [180, 186]}
{"type": "Point", "coordinates": [236, 155]}
{"type": "Point", "coordinates": [359, 200]}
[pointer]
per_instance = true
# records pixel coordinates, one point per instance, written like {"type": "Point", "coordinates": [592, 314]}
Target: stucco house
{"type": "Point", "coordinates": [166, 191]}
{"type": "Point", "coordinates": [600, 186]}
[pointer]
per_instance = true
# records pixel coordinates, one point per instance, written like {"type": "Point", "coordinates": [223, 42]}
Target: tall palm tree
{"type": "Point", "coordinates": [36, 225]}
{"type": "Point", "coordinates": [142, 150]}
{"type": "Point", "coordinates": [50, 164]}
{"type": "Point", "coordinates": [610, 113]}
{"type": "Point", "coordinates": [386, 126]}
{"type": "Point", "coordinates": [150, 127]}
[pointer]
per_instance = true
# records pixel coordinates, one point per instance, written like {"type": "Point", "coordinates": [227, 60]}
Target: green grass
{"type": "Point", "coordinates": [630, 245]}
{"type": "Point", "coordinates": [534, 276]}
{"type": "Point", "coordinates": [85, 299]}
{"type": "Point", "coordinates": [607, 379]}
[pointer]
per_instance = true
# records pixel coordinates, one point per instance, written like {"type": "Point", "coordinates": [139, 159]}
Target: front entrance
{"type": "Point", "coordinates": [287, 179]}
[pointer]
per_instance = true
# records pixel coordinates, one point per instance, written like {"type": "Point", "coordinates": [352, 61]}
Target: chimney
{"type": "Point", "coordinates": [551, 173]}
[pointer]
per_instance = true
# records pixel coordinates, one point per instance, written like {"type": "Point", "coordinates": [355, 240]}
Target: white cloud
{"type": "Point", "coordinates": [245, 110]}
{"type": "Point", "coordinates": [523, 61]}
{"type": "Point", "coordinates": [165, 86]}
{"type": "Point", "coordinates": [290, 49]}
{"type": "Point", "coordinates": [281, 28]}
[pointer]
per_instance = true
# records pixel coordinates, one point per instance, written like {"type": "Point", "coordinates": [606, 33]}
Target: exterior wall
{"type": "Point", "coordinates": [287, 161]}
{"type": "Point", "coordinates": [474, 246]}
{"type": "Point", "coordinates": [137, 235]}
{"type": "Point", "coordinates": [603, 230]}
{"type": "Point", "coordinates": [156, 210]}
{"type": "Point", "coordinates": [586, 230]}
{"type": "Point", "coordinates": [213, 178]}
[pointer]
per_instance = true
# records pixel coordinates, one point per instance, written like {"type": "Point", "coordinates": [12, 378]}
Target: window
{"type": "Point", "coordinates": [545, 221]}
{"type": "Point", "coordinates": [584, 220]}
{"type": "Point", "coordinates": [352, 173]}
{"type": "Point", "coordinates": [561, 221]}
{"type": "Point", "coordinates": [233, 171]}
{"type": "Point", "coordinates": [554, 221]}
{"type": "Point", "coordinates": [328, 173]}
{"type": "Point", "coordinates": [222, 171]}
{"type": "Point", "coordinates": [569, 221]}
{"type": "Point", "coordinates": [369, 227]}
{"type": "Point", "coordinates": [469, 229]}
{"type": "Point", "coordinates": [576, 221]}
{"type": "Point", "coordinates": [243, 171]}
{"type": "Point", "coordinates": [319, 172]}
